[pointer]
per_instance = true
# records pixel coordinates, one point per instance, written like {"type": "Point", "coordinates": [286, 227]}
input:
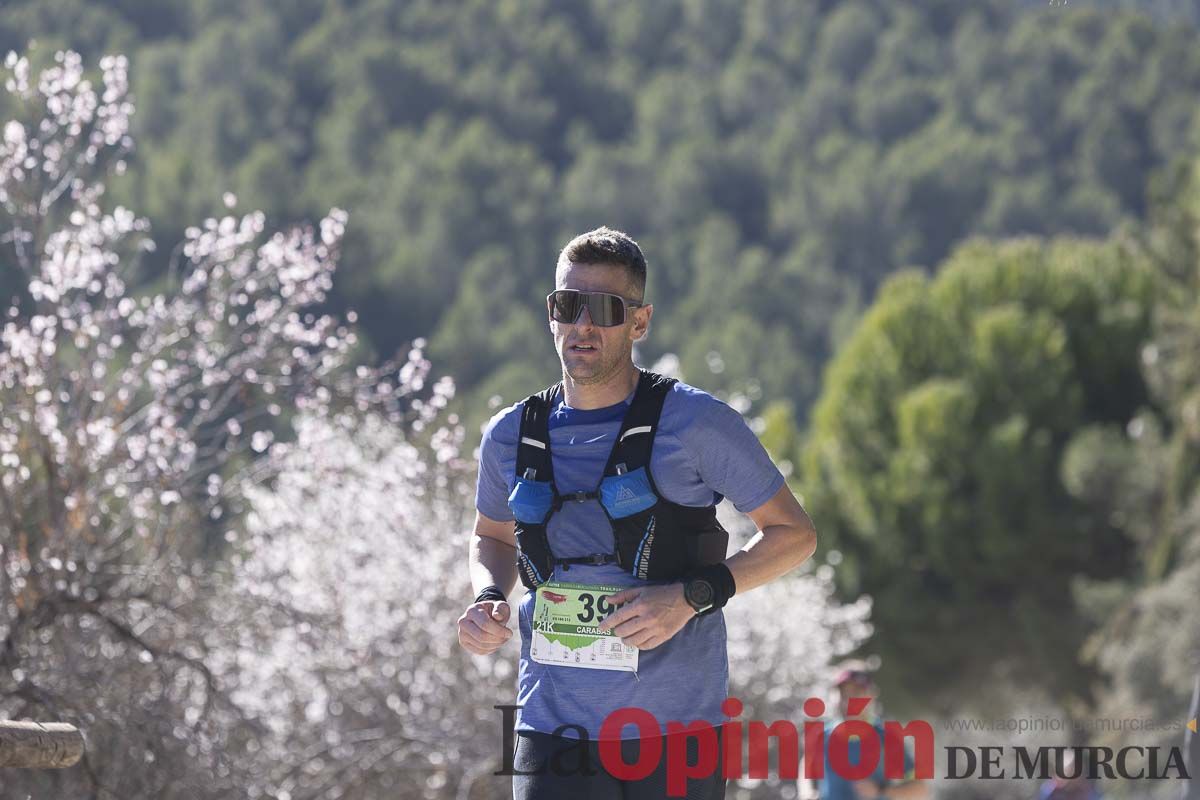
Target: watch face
{"type": "Point", "coordinates": [699, 593]}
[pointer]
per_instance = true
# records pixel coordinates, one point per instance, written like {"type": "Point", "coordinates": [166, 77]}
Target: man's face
{"type": "Point", "coordinates": [854, 688]}
{"type": "Point", "coordinates": [612, 347]}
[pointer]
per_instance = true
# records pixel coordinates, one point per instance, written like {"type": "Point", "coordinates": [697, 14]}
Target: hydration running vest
{"type": "Point", "coordinates": [654, 539]}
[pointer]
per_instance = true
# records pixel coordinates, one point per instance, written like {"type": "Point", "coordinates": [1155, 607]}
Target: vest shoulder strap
{"type": "Point", "coordinates": [533, 444]}
{"type": "Point", "coordinates": [635, 441]}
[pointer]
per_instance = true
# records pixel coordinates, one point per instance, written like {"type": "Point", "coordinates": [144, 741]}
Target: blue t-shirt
{"type": "Point", "coordinates": [835, 787]}
{"type": "Point", "coordinates": [703, 451]}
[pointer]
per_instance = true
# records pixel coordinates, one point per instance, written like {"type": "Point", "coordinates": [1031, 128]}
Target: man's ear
{"type": "Point", "coordinates": [646, 312]}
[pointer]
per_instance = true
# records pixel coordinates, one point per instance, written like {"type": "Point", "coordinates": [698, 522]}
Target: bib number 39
{"type": "Point", "coordinates": [595, 607]}
{"type": "Point", "coordinates": [565, 616]}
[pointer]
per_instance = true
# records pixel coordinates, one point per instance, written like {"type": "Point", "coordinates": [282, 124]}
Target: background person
{"type": "Point", "coordinates": [853, 679]}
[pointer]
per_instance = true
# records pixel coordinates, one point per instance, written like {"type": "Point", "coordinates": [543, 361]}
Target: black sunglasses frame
{"type": "Point", "coordinates": [595, 310]}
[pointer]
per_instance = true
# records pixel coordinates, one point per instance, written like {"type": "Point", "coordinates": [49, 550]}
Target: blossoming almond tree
{"type": "Point", "coordinates": [365, 530]}
{"type": "Point", "coordinates": [130, 425]}
{"type": "Point", "coordinates": [312, 654]}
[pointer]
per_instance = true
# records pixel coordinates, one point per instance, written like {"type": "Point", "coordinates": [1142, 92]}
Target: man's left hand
{"type": "Point", "coordinates": [650, 615]}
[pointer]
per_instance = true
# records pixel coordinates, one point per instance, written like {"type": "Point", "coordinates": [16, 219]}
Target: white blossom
{"type": "Point", "coordinates": [131, 422]}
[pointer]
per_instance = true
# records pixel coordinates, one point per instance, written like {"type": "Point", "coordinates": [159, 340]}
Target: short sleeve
{"type": "Point", "coordinates": [729, 457]}
{"type": "Point", "coordinates": [491, 487]}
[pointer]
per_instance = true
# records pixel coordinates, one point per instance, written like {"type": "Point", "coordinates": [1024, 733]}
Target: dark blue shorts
{"type": "Point", "coordinates": [567, 768]}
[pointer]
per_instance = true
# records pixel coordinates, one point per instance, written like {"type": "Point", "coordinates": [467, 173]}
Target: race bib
{"type": "Point", "coordinates": [565, 616]}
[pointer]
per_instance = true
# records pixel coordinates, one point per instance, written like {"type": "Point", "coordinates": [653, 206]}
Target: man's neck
{"type": "Point", "coordinates": [600, 395]}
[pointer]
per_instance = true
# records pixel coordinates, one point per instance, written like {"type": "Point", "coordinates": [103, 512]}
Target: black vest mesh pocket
{"type": "Point", "coordinates": [535, 565]}
{"type": "Point", "coordinates": [648, 545]}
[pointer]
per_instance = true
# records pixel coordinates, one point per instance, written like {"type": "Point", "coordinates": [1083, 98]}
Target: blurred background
{"type": "Point", "coordinates": [268, 267]}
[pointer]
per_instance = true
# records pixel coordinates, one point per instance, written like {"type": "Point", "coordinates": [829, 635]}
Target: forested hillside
{"type": "Point", "coordinates": [984, 218]}
{"type": "Point", "coordinates": [775, 159]}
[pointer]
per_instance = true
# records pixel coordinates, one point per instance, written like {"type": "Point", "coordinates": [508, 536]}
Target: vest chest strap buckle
{"type": "Point", "coordinates": [593, 559]}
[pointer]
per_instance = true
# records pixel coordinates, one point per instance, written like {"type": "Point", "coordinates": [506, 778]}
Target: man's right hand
{"type": "Point", "coordinates": [483, 627]}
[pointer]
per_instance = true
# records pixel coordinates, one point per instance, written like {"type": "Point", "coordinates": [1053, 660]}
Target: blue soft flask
{"type": "Point", "coordinates": [627, 494]}
{"type": "Point", "coordinates": [531, 501]}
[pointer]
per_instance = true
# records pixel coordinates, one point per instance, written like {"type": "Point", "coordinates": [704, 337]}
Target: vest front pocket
{"type": "Point", "coordinates": [666, 540]}
{"type": "Point", "coordinates": [535, 565]}
{"type": "Point", "coordinates": [648, 548]}
{"type": "Point", "coordinates": [531, 501]}
{"type": "Point", "coordinates": [627, 494]}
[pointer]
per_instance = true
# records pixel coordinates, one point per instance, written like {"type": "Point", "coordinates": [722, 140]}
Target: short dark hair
{"type": "Point", "coordinates": [607, 246]}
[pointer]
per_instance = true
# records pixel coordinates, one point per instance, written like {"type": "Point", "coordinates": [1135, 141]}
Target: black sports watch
{"type": "Point", "coordinates": [699, 594]}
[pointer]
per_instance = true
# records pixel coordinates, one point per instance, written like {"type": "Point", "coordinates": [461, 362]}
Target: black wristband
{"type": "Point", "coordinates": [720, 578]}
{"type": "Point", "coordinates": [490, 593]}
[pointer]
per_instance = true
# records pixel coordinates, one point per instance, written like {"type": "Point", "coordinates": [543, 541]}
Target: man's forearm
{"type": "Point", "coordinates": [492, 563]}
{"type": "Point", "coordinates": [772, 552]}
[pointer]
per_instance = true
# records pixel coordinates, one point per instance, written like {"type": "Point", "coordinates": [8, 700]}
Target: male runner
{"type": "Point", "coordinates": [702, 451]}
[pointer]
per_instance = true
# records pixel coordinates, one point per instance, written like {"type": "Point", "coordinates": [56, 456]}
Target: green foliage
{"type": "Point", "coordinates": [1000, 461]}
{"type": "Point", "coordinates": [943, 460]}
{"type": "Point", "coordinates": [1149, 645]}
{"type": "Point", "coordinates": [776, 160]}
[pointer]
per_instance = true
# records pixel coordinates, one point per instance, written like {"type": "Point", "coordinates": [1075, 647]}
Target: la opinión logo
{"type": "Point", "coordinates": [742, 750]}
{"type": "Point", "coordinates": [742, 739]}
{"type": "Point", "coordinates": [1130, 763]}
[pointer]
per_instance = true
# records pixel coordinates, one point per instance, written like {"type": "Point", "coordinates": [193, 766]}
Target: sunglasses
{"type": "Point", "coordinates": [606, 310]}
{"type": "Point", "coordinates": [853, 676]}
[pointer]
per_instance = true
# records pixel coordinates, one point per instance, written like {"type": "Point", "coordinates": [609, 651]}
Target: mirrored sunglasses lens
{"type": "Point", "coordinates": [564, 306]}
{"type": "Point", "coordinates": [605, 310]}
